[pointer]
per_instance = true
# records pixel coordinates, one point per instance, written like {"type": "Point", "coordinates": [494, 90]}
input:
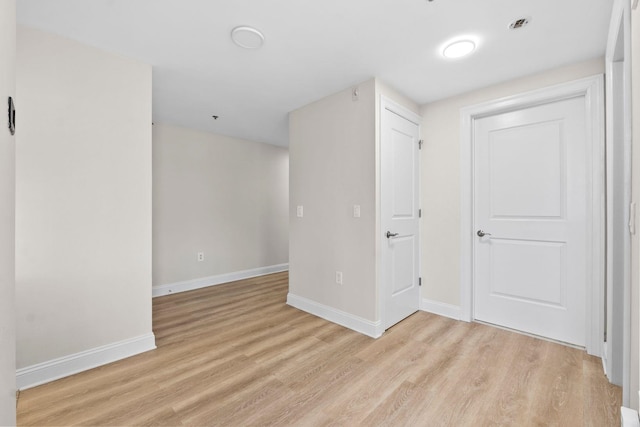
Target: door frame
{"type": "Point", "coordinates": [592, 89]}
{"type": "Point", "coordinates": [382, 287]}
{"type": "Point", "coordinates": [617, 351]}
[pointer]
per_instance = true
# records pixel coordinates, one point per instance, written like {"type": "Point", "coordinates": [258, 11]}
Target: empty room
{"type": "Point", "coordinates": [302, 213]}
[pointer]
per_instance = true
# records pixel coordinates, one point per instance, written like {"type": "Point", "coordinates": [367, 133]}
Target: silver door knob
{"type": "Point", "coordinates": [390, 234]}
{"type": "Point", "coordinates": [481, 233]}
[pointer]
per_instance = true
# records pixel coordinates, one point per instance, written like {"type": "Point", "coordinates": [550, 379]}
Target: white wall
{"type": "Point", "coordinates": [334, 149]}
{"type": "Point", "coordinates": [440, 176]}
{"type": "Point", "coordinates": [219, 195]}
{"type": "Point", "coordinates": [83, 198]}
{"type": "Point", "coordinates": [7, 193]}
{"type": "Point", "coordinates": [332, 167]}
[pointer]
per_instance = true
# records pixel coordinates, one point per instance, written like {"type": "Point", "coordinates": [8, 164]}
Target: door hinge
{"type": "Point", "coordinates": [419, 213]}
{"type": "Point", "coordinates": [420, 144]}
{"type": "Point", "coordinates": [12, 116]}
{"type": "Point", "coordinates": [419, 281]}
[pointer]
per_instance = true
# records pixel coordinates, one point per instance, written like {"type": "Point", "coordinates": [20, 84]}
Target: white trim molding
{"type": "Point", "coordinates": [61, 367]}
{"type": "Point", "coordinates": [620, 370]}
{"type": "Point", "coordinates": [441, 308]}
{"type": "Point", "coordinates": [629, 417]}
{"type": "Point", "coordinates": [592, 89]}
{"type": "Point", "coordinates": [355, 323]}
{"type": "Point", "coordinates": [394, 107]}
{"type": "Point", "coordinates": [203, 282]}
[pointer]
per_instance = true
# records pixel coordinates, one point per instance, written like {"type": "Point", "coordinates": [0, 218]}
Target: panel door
{"type": "Point", "coordinates": [399, 211]}
{"type": "Point", "coordinates": [530, 201]}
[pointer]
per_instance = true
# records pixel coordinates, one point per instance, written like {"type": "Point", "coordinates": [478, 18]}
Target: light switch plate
{"type": "Point", "coordinates": [300, 211]}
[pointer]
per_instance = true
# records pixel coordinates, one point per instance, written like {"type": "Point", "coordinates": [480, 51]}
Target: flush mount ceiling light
{"type": "Point", "coordinates": [247, 37]}
{"type": "Point", "coordinates": [458, 49]}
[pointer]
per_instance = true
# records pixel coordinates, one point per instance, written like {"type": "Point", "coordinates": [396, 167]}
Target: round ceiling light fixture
{"type": "Point", "coordinates": [458, 49]}
{"type": "Point", "coordinates": [247, 37]}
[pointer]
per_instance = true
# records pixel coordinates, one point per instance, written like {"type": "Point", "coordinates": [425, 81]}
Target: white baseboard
{"type": "Point", "coordinates": [441, 308]}
{"type": "Point", "coordinates": [355, 323]}
{"type": "Point", "coordinates": [629, 417]}
{"type": "Point", "coordinates": [61, 367]}
{"type": "Point", "coordinates": [190, 285]}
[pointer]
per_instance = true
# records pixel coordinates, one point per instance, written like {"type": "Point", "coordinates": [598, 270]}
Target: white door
{"type": "Point", "coordinates": [399, 216]}
{"type": "Point", "coordinates": [530, 198]}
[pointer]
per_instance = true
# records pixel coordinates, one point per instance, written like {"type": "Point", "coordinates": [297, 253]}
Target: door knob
{"type": "Point", "coordinates": [390, 234]}
{"type": "Point", "coordinates": [481, 233]}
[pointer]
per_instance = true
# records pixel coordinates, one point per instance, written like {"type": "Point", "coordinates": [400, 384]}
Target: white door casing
{"type": "Point", "coordinates": [590, 90]}
{"type": "Point", "coordinates": [530, 194]}
{"type": "Point", "coordinates": [619, 345]}
{"type": "Point", "coordinates": [399, 199]}
{"type": "Point", "coordinates": [7, 217]}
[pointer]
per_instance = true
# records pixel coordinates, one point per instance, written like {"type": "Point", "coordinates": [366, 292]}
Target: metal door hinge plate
{"type": "Point", "coordinates": [12, 116]}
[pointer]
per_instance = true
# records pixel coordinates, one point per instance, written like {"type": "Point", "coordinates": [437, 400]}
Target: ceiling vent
{"type": "Point", "coordinates": [519, 23]}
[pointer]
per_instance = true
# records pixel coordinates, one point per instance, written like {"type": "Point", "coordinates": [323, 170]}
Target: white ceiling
{"type": "Point", "coordinates": [315, 48]}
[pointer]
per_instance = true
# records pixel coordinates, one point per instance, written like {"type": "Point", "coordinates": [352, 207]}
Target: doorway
{"type": "Point", "coordinates": [530, 200]}
{"type": "Point", "coordinates": [529, 273]}
{"type": "Point", "coordinates": [399, 198]}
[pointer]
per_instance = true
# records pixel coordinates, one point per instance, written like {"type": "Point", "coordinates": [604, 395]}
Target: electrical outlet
{"type": "Point", "coordinates": [200, 256]}
{"type": "Point", "coordinates": [356, 211]}
{"type": "Point", "coordinates": [339, 277]}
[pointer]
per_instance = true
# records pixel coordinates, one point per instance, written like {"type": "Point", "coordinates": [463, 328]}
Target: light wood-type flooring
{"type": "Point", "coordinates": [237, 355]}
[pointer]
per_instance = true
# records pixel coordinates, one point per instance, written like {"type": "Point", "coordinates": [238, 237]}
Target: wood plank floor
{"type": "Point", "coordinates": [237, 355]}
